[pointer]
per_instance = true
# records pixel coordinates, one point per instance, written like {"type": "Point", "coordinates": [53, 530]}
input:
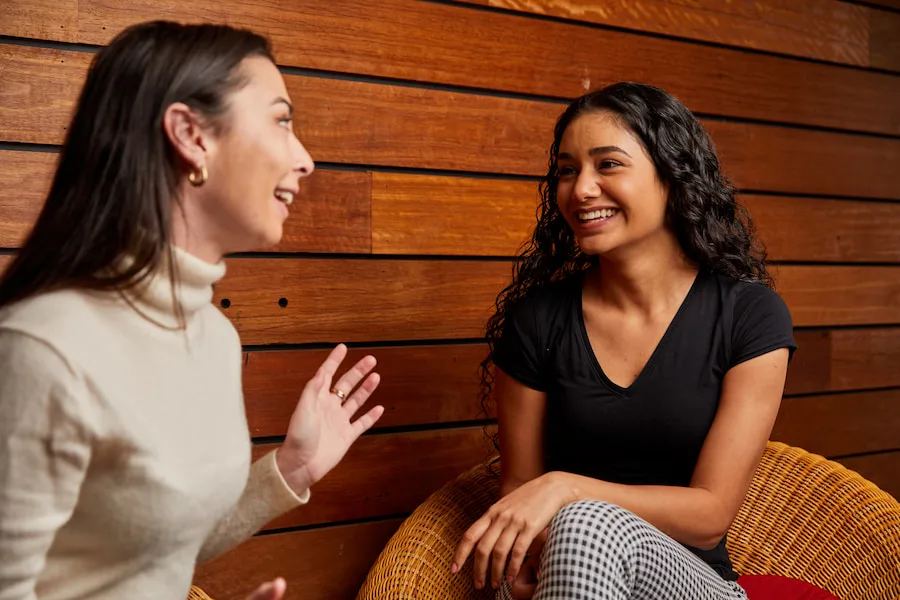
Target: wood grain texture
{"type": "Point", "coordinates": [40, 19]}
{"type": "Point", "coordinates": [331, 214]}
{"type": "Point", "coordinates": [844, 360]}
{"type": "Point", "coordinates": [881, 469]}
{"type": "Point", "coordinates": [440, 383]}
{"type": "Point", "coordinates": [368, 123]}
{"type": "Point", "coordinates": [884, 39]}
{"type": "Point", "coordinates": [359, 300]}
{"type": "Point", "coordinates": [419, 384]}
{"type": "Point", "coordinates": [24, 182]}
{"type": "Point", "coordinates": [825, 30]}
{"type": "Point", "coordinates": [817, 230]}
{"type": "Point", "coordinates": [386, 475]}
{"type": "Point", "coordinates": [841, 424]}
{"type": "Point", "coordinates": [827, 295]}
{"type": "Point", "coordinates": [442, 215]}
{"type": "Point", "coordinates": [464, 216]}
{"type": "Point", "coordinates": [383, 299]}
{"type": "Point", "coordinates": [319, 564]}
{"type": "Point", "coordinates": [431, 42]}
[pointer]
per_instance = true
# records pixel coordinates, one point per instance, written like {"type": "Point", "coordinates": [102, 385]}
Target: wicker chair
{"type": "Point", "coordinates": [197, 594]}
{"type": "Point", "coordinates": [804, 517]}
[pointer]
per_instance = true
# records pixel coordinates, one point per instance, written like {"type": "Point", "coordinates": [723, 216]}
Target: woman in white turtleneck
{"type": "Point", "coordinates": [124, 449]}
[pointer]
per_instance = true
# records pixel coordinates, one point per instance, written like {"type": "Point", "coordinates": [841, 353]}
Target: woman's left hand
{"type": "Point", "coordinates": [508, 527]}
{"type": "Point", "coordinates": [321, 430]}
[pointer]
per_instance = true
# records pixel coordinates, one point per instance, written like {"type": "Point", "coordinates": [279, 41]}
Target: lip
{"type": "Point", "coordinates": [599, 223]}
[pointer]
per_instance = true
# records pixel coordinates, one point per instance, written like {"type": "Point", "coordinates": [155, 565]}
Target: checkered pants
{"type": "Point", "coordinates": [600, 551]}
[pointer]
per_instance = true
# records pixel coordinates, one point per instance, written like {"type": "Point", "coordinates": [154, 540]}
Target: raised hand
{"type": "Point", "coordinates": [321, 430]}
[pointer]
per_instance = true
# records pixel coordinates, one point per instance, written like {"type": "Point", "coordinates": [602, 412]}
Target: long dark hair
{"type": "Point", "coordinates": [117, 175]}
{"type": "Point", "coordinates": [713, 230]}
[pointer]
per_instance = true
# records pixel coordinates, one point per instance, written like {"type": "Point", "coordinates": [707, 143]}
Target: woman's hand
{"type": "Point", "coordinates": [272, 590]}
{"type": "Point", "coordinates": [320, 431]}
{"type": "Point", "coordinates": [508, 528]}
{"type": "Point", "coordinates": [525, 584]}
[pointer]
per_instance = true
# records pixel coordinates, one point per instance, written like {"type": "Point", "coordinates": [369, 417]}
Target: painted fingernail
{"type": "Point", "coordinates": [495, 585]}
{"type": "Point", "coordinates": [509, 579]}
{"type": "Point", "coordinates": [478, 585]}
{"type": "Point", "coordinates": [454, 568]}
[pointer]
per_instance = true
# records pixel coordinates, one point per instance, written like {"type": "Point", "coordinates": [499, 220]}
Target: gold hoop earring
{"type": "Point", "coordinates": [198, 179]}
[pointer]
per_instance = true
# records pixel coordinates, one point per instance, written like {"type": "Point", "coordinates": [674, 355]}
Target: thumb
{"type": "Point", "coordinates": [273, 590]}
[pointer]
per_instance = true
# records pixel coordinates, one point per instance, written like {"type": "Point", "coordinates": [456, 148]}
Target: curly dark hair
{"type": "Point", "coordinates": [713, 230]}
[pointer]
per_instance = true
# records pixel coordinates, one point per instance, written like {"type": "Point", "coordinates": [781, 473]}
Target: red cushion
{"type": "Point", "coordinates": [775, 587]}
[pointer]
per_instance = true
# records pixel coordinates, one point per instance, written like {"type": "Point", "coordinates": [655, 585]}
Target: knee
{"type": "Point", "coordinates": [600, 521]}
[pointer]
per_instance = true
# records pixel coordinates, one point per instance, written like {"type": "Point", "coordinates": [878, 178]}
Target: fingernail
{"type": "Point", "coordinates": [478, 585]}
{"type": "Point", "coordinates": [509, 579]}
{"type": "Point", "coordinates": [454, 568]}
{"type": "Point", "coordinates": [495, 585]}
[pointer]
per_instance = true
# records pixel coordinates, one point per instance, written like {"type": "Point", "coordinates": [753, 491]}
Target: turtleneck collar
{"type": "Point", "coordinates": [194, 279]}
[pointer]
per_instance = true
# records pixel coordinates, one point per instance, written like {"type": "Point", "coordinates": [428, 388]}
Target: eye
{"type": "Point", "coordinates": [608, 163]}
{"type": "Point", "coordinates": [285, 122]}
{"type": "Point", "coordinates": [566, 170]}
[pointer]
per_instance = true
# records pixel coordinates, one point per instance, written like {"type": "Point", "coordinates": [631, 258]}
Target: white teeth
{"type": "Point", "coordinates": [286, 197]}
{"type": "Point", "coordinates": [603, 213]}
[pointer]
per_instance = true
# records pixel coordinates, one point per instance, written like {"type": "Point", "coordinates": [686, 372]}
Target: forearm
{"type": "Point", "coordinates": [266, 497]}
{"type": "Point", "coordinates": [690, 515]}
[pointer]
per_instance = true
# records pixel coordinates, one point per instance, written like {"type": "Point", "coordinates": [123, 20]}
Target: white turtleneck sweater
{"type": "Point", "coordinates": [124, 447]}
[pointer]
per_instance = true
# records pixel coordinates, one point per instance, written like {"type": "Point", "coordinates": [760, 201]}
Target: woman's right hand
{"type": "Point", "coordinates": [525, 584]}
{"type": "Point", "coordinates": [271, 590]}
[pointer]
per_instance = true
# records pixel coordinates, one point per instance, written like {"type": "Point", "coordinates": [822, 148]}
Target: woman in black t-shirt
{"type": "Point", "coordinates": [640, 358]}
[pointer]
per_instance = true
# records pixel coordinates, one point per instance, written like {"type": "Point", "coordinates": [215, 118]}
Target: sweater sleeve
{"type": "Point", "coordinates": [45, 450]}
{"type": "Point", "coordinates": [266, 497]}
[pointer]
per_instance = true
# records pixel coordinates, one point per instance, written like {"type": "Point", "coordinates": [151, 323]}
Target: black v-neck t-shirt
{"type": "Point", "coordinates": [651, 432]}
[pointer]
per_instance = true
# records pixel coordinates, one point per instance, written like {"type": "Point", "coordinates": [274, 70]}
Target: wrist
{"type": "Point", "coordinates": [295, 474]}
{"type": "Point", "coordinates": [565, 486]}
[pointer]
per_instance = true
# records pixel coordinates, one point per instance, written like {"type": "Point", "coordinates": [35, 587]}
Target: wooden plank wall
{"type": "Point", "coordinates": [430, 122]}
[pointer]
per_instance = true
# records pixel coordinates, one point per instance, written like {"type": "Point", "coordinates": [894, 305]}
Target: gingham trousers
{"type": "Point", "coordinates": [600, 551]}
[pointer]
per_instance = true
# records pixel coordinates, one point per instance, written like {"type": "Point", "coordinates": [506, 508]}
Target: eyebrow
{"type": "Point", "coordinates": [283, 101]}
{"type": "Point", "coordinates": [596, 151]}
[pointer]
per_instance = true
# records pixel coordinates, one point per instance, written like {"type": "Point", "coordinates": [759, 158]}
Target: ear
{"type": "Point", "coordinates": [188, 137]}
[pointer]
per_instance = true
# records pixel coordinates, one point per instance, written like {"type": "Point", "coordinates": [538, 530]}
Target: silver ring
{"type": "Point", "coordinates": [339, 394]}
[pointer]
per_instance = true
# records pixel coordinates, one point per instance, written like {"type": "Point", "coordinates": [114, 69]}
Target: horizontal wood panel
{"type": "Point", "coordinates": [446, 215]}
{"type": "Point", "coordinates": [388, 474]}
{"type": "Point", "coordinates": [881, 469]}
{"type": "Point", "coordinates": [359, 300]}
{"type": "Point", "coordinates": [822, 29]}
{"type": "Point", "coordinates": [319, 564]}
{"type": "Point", "coordinates": [366, 123]}
{"type": "Point", "coordinates": [884, 40]}
{"type": "Point", "coordinates": [826, 295]}
{"type": "Point", "coordinates": [331, 213]}
{"type": "Point", "coordinates": [812, 229]}
{"type": "Point", "coordinates": [440, 384]}
{"type": "Point", "coordinates": [431, 42]}
{"type": "Point", "coordinates": [841, 424]}
{"type": "Point", "coordinates": [844, 360]}
{"type": "Point", "coordinates": [419, 384]}
{"type": "Point", "coordinates": [414, 214]}
{"type": "Point", "coordinates": [40, 19]}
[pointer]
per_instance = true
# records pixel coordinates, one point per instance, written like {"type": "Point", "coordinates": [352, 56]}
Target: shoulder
{"type": "Point", "coordinates": [750, 300]}
{"type": "Point", "coordinates": [544, 302]}
{"type": "Point", "coordinates": [57, 318]}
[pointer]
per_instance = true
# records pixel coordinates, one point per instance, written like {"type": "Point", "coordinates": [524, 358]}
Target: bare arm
{"type": "Point", "coordinates": [520, 416]}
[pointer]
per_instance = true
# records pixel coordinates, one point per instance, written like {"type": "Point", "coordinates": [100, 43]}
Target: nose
{"type": "Point", "coordinates": [586, 186]}
{"type": "Point", "coordinates": [303, 162]}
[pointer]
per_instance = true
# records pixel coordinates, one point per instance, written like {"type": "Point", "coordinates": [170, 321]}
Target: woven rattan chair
{"type": "Point", "coordinates": [197, 594]}
{"type": "Point", "coordinates": [804, 517]}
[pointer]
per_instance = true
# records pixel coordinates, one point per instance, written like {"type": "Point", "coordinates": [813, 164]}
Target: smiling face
{"type": "Point", "coordinates": [254, 162]}
{"type": "Point", "coordinates": [608, 191]}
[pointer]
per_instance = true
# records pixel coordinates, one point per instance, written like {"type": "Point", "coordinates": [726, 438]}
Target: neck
{"type": "Point", "coordinates": [647, 280]}
{"type": "Point", "coordinates": [188, 233]}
